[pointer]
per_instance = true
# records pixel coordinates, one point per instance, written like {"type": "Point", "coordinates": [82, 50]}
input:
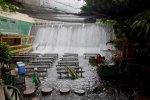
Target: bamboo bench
{"type": "Point", "coordinates": [55, 55]}
{"type": "Point", "coordinates": [30, 54]}
{"type": "Point", "coordinates": [23, 58]}
{"type": "Point", "coordinates": [74, 67]}
{"type": "Point", "coordinates": [70, 55]}
{"type": "Point", "coordinates": [62, 65]}
{"type": "Point", "coordinates": [69, 59]}
{"type": "Point", "coordinates": [68, 62]}
{"type": "Point", "coordinates": [74, 54]}
{"type": "Point", "coordinates": [39, 64]}
{"type": "Point", "coordinates": [60, 72]}
{"type": "Point", "coordinates": [45, 58]}
{"type": "Point", "coordinates": [44, 62]}
{"type": "Point", "coordinates": [30, 65]}
{"type": "Point", "coordinates": [41, 61]}
{"type": "Point", "coordinates": [89, 55]}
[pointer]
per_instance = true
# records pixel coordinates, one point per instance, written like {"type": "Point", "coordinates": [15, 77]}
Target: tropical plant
{"type": "Point", "coordinates": [71, 72]}
{"type": "Point", "coordinates": [92, 61]}
{"type": "Point", "coordinates": [106, 71]}
{"type": "Point", "coordinates": [5, 54]}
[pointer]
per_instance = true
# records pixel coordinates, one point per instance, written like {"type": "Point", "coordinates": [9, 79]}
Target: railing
{"type": "Point", "coordinates": [20, 48]}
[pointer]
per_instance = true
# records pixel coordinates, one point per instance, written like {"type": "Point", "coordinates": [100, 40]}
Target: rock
{"type": "Point", "coordinates": [46, 90]}
{"type": "Point", "coordinates": [29, 91]}
{"type": "Point", "coordinates": [79, 92]}
{"type": "Point", "coordinates": [96, 90]}
{"type": "Point", "coordinates": [103, 96]}
{"type": "Point", "coordinates": [64, 90]}
{"type": "Point", "coordinates": [110, 91]}
{"type": "Point", "coordinates": [36, 98]}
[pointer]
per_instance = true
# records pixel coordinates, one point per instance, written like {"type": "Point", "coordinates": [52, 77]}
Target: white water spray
{"type": "Point", "coordinates": [69, 38]}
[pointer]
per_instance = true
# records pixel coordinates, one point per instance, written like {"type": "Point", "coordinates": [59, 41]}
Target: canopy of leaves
{"type": "Point", "coordinates": [115, 8]}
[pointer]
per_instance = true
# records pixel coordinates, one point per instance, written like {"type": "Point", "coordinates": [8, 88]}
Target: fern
{"type": "Point", "coordinates": [71, 72]}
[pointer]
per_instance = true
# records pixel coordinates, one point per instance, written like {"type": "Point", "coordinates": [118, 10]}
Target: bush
{"type": "Point", "coordinates": [92, 61]}
{"type": "Point", "coordinates": [107, 71]}
{"type": "Point", "coordinates": [5, 56]}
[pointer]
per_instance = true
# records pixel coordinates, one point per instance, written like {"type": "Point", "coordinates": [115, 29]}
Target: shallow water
{"type": "Point", "coordinates": [88, 82]}
{"type": "Point", "coordinates": [89, 75]}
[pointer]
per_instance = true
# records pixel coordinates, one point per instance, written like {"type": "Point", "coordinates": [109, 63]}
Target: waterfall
{"type": "Point", "coordinates": [69, 38]}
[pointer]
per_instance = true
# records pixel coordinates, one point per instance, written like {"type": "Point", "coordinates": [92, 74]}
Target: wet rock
{"type": "Point", "coordinates": [36, 98]}
{"type": "Point", "coordinates": [79, 92]}
{"type": "Point", "coordinates": [103, 96]}
{"type": "Point", "coordinates": [46, 90]}
{"type": "Point", "coordinates": [64, 90]}
{"type": "Point", "coordinates": [96, 90]}
{"type": "Point", "coordinates": [110, 91]}
{"type": "Point", "coordinates": [29, 92]}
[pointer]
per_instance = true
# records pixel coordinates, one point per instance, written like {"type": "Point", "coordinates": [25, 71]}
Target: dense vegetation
{"type": "Point", "coordinates": [6, 5]}
{"type": "Point", "coordinates": [5, 56]}
{"type": "Point", "coordinates": [130, 20]}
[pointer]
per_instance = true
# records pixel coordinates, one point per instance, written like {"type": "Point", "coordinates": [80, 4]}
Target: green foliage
{"type": "Point", "coordinates": [106, 22]}
{"type": "Point", "coordinates": [5, 53]}
{"type": "Point", "coordinates": [20, 47]}
{"type": "Point", "coordinates": [129, 17]}
{"type": "Point", "coordinates": [96, 5]}
{"type": "Point", "coordinates": [92, 61]}
{"type": "Point", "coordinates": [141, 25]}
{"type": "Point", "coordinates": [72, 72]}
{"type": "Point", "coordinates": [131, 27]}
{"type": "Point", "coordinates": [115, 8]}
{"type": "Point", "coordinates": [6, 5]}
{"type": "Point", "coordinates": [107, 71]}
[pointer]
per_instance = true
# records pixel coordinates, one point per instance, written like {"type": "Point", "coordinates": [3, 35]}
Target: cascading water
{"type": "Point", "coordinates": [69, 38]}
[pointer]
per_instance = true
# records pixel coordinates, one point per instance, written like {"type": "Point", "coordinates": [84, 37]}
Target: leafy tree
{"type": "Point", "coordinates": [5, 54]}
